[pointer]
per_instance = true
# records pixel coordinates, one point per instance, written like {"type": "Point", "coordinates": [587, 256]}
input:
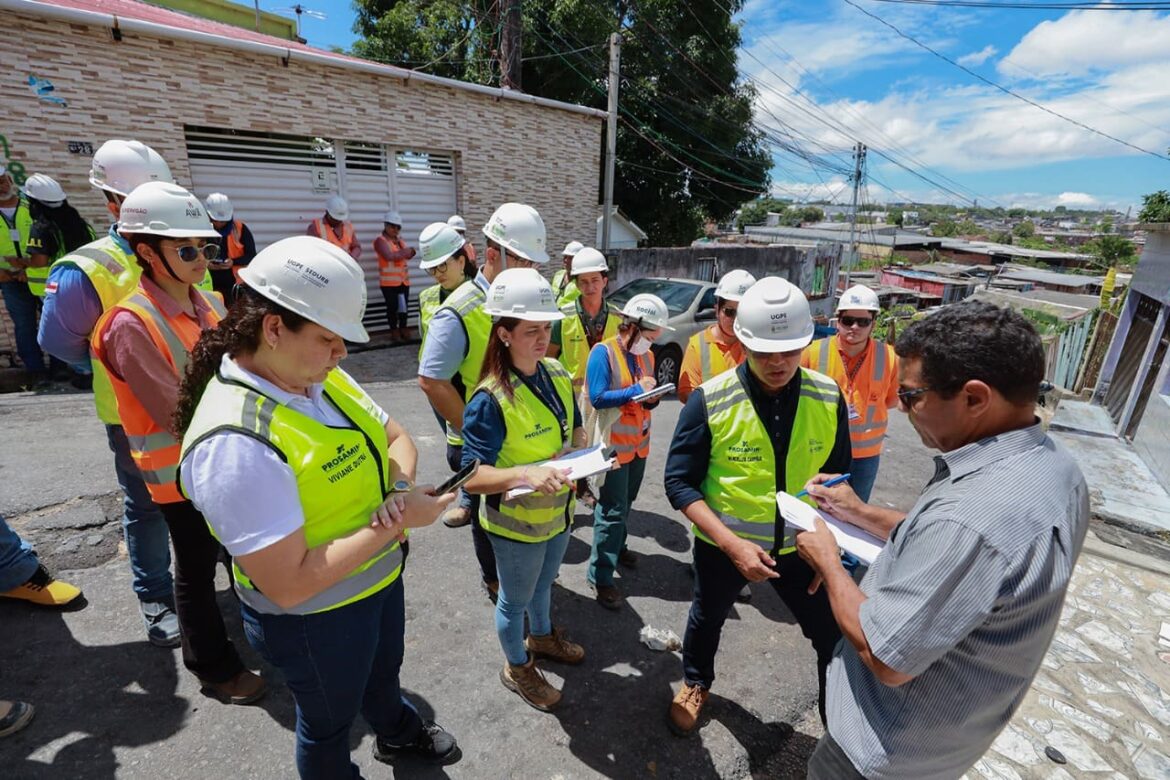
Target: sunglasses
{"type": "Point", "coordinates": [861, 322]}
{"type": "Point", "coordinates": [729, 312]}
{"type": "Point", "coordinates": [189, 254]}
{"type": "Point", "coordinates": [908, 396]}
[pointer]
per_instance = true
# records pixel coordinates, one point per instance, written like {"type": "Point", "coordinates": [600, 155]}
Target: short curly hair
{"type": "Point", "coordinates": [977, 340]}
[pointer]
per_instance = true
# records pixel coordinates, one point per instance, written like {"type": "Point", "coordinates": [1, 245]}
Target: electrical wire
{"type": "Point", "coordinates": [1096, 5]}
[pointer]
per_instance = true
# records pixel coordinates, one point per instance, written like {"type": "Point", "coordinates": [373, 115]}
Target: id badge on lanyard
{"type": "Point", "coordinates": [853, 413]}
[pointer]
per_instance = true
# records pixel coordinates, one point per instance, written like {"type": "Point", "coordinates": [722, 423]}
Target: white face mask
{"type": "Point", "coordinates": [640, 346]}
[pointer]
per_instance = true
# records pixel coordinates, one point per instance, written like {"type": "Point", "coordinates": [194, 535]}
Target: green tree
{"type": "Point", "coordinates": [686, 147]}
{"type": "Point", "coordinates": [756, 212]}
{"type": "Point", "coordinates": [1025, 229]}
{"type": "Point", "coordinates": [1155, 207]}
{"type": "Point", "coordinates": [1002, 237]}
{"type": "Point", "coordinates": [944, 228]}
{"type": "Point", "coordinates": [895, 217]}
{"type": "Point", "coordinates": [1112, 250]}
{"type": "Point", "coordinates": [967, 228]}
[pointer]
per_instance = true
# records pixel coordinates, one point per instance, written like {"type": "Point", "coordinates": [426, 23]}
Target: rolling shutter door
{"type": "Point", "coordinates": [278, 184]}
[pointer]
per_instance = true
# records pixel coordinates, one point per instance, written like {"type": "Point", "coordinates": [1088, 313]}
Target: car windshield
{"type": "Point", "coordinates": [677, 295]}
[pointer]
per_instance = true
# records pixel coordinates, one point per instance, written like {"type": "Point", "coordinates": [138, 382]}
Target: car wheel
{"type": "Point", "coordinates": [668, 361]}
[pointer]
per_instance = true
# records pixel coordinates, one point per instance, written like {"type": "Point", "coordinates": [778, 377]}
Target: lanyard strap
{"type": "Point", "coordinates": [553, 404]}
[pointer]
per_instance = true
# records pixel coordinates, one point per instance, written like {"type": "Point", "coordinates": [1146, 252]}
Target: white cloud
{"type": "Point", "coordinates": [1085, 42]}
{"type": "Point", "coordinates": [977, 58]}
{"type": "Point", "coordinates": [1079, 200]}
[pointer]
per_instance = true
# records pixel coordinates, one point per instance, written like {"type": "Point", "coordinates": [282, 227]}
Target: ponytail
{"type": "Point", "coordinates": [237, 334]}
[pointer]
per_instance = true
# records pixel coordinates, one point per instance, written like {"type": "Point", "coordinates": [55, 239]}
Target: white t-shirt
{"type": "Point", "coordinates": [243, 488]}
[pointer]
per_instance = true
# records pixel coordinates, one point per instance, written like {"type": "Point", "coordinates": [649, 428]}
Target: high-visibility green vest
{"type": "Point", "coordinates": [467, 302]}
{"type": "Point", "coordinates": [22, 221]}
{"type": "Point", "coordinates": [342, 475]}
{"type": "Point", "coordinates": [38, 277]}
{"type": "Point", "coordinates": [532, 434]}
{"type": "Point", "coordinates": [740, 485]}
{"type": "Point", "coordinates": [114, 274]}
{"type": "Point", "coordinates": [570, 292]}
{"type": "Point", "coordinates": [575, 341]}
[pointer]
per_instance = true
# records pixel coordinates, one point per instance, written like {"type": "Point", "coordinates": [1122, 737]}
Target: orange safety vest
{"type": "Point", "coordinates": [154, 449]}
{"type": "Point", "coordinates": [630, 435]}
{"type": "Point", "coordinates": [867, 393]}
{"type": "Point", "coordinates": [345, 240]}
{"type": "Point", "coordinates": [391, 273]}
{"type": "Point", "coordinates": [235, 247]}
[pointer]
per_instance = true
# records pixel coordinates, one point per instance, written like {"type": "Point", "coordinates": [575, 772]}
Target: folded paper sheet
{"type": "Point", "coordinates": [864, 545]}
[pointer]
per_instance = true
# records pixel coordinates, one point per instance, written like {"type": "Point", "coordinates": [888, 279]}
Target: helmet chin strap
{"type": "Point", "coordinates": [167, 265]}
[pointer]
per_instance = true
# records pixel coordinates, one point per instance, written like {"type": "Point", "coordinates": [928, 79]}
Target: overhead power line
{"type": "Point", "coordinates": [1117, 5]}
{"type": "Point", "coordinates": [1002, 88]}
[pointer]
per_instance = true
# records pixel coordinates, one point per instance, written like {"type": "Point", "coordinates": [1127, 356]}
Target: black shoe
{"type": "Point", "coordinates": [82, 381]}
{"type": "Point", "coordinates": [628, 558]}
{"type": "Point", "coordinates": [433, 744]}
{"type": "Point", "coordinates": [744, 595]}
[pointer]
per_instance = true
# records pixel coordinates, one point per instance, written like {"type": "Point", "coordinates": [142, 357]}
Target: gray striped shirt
{"type": "Point", "coordinates": [965, 597]}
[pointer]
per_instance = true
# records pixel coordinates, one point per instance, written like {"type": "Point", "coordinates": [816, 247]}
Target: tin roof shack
{"type": "Point", "coordinates": [1053, 280]}
{"type": "Point", "coordinates": [946, 288]}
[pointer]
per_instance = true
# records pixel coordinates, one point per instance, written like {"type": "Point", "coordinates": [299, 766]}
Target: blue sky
{"type": "Point", "coordinates": [834, 75]}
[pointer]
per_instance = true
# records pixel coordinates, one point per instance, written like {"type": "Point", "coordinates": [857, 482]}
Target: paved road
{"type": "Point", "coordinates": [110, 705]}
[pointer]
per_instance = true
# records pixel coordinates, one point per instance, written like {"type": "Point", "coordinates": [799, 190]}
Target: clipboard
{"type": "Point", "coordinates": [580, 464]}
{"type": "Point", "coordinates": [862, 544]}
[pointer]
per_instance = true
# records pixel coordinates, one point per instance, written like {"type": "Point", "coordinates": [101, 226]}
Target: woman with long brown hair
{"type": "Point", "coordinates": [309, 485]}
{"type": "Point", "coordinates": [522, 414]}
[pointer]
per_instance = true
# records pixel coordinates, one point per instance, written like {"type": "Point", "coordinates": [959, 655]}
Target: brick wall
{"type": "Point", "coordinates": [148, 88]}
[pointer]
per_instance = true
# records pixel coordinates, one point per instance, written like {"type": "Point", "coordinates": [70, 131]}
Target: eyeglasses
{"type": "Point", "coordinates": [861, 322]}
{"type": "Point", "coordinates": [729, 312]}
{"type": "Point", "coordinates": [189, 254]}
{"type": "Point", "coordinates": [907, 396]}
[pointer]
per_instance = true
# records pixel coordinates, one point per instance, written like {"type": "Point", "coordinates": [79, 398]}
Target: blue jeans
{"type": "Point", "coordinates": [143, 525]}
{"type": "Point", "coordinates": [618, 493]}
{"type": "Point", "coordinates": [22, 308]}
{"type": "Point", "coordinates": [862, 476]}
{"type": "Point", "coordinates": [17, 560]}
{"type": "Point", "coordinates": [527, 571]}
{"type": "Point", "coordinates": [339, 663]}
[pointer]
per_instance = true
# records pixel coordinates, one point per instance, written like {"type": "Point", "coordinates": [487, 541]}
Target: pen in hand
{"type": "Point", "coordinates": [828, 484]}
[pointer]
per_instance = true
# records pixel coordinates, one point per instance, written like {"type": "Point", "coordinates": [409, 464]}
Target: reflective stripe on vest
{"type": "Point", "coordinates": [712, 360]}
{"type": "Point", "coordinates": [565, 288]}
{"type": "Point", "coordinates": [114, 274]}
{"type": "Point", "coordinates": [532, 434]}
{"type": "Point", "coordinates": [574, 353]}
{"type": "Point", "coordinates": [868, 396]}
{"type": "Point", "coordinates": [22, 223]}
{"type": "Point", "coordinates": [155, 450]}
{"type": "Point", "coordinates": [341, 476]}
{"type": "Point", "coordinates": [467, 303]}
{"type": "Point", "coordinates": [630, 434]}
{"type": "Point", "coordinates": [740, 485]}
{"type": "Point", "coordinates": [391, 274]}
{"type": "Point", "coordinates": [326, 232]}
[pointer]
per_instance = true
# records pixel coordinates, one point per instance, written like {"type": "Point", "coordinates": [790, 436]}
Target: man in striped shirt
{"type": "Point", "coordinates": [948, 629]}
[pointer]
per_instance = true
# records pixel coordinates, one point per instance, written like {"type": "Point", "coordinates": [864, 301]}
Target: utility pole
{"type": "Point", "coordinates": [615, 61]}
{"type": "Point", "coordinates": [510, 45]}
{"type": "Point", "coordinates": [858, 168]}
{"type": "Point", "coordinates": [257, 4]}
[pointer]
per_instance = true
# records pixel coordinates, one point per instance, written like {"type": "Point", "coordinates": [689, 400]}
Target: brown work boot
{"type": "Point", "coordinates": [608, 596]}
{"type": "Point", "coordinates": [527, 681]}
{"type": "Point", "coordinates": [245, 688]}
{"type": "Point", "coordinates": [555, 647]}
{"type": "Point", "coordinates": [456, 517]}
{"type": "Point", "coordinates": [685, 709]}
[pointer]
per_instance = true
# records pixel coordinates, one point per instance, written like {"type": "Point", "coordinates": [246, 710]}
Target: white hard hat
{"type": "Point", "coordinates": [437, 242]}
{"type": "Point", "coordinates": [336, 207]}
{"type": "Point", "coordinates": [392, 217]}
{"type": "Point", "coordinates": [524, 294]}
{"type": "Point", "coordinates": [219, 207]}
{"type": "Point", "coordinates": [315, 279]}
{"type": "Point", "coordinates": [734, 284]}
{"type": "Point", "coordinates": [519, 230]}
{"type": "Point", "coordinates": [647, 310]}
{"type": "Point", "coordinates": [572, 248]}
{"type": "Point", "coordinates": [120, 166]}
{"type": "Point", "coordinates": [859, 297]}
{"type": "Point", "coordinates": [45, 189]}
{"type": "Point", "coordinates": [457, 222]}
{"type": "Point", "coordinates": [160, 208]}
{"type": "Point", "coordinates": [774, 316]}
{"type": "Point", "coordinates": [589, 261]}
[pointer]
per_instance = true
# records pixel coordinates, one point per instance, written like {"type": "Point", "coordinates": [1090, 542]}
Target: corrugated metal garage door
{"type": "Point", "coordinates": [279, 183]}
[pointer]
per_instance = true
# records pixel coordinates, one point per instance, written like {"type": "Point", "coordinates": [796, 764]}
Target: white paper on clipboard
{"type": "Point", "coordinates": [580, 464]}
{"type": "Point", "coordinates": [862, 544]}
{"type": "Point", "coordinates": [657, 392]}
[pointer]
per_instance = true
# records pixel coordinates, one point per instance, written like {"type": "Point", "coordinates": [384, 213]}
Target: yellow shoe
{"type": "Point", "coordinates": [42, 590]}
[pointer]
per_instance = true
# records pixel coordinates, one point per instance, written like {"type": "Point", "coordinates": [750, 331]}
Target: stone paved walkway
{"type": "Point", "coordinates": [1102, 697]}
